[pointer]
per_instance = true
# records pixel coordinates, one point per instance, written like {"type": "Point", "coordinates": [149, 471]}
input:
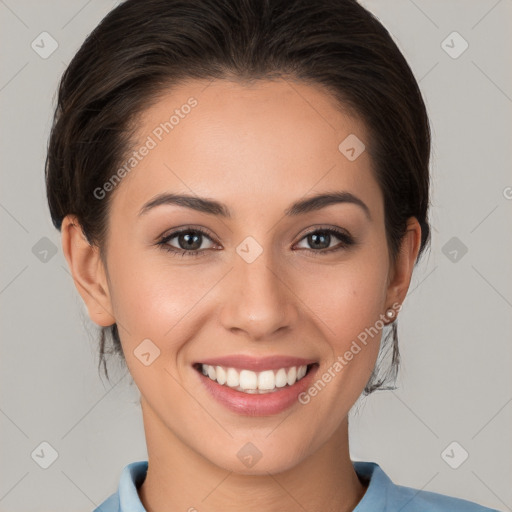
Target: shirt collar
{"type": "Point", "coordinates": [131, 479]}
{"type": "Point", "coordinates": [378, 486]}
{"type": "Point", "coordinates": [370, 473]}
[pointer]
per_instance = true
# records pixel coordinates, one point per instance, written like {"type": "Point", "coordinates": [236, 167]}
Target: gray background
{"type": "Point", "coordinates": [454, 330]}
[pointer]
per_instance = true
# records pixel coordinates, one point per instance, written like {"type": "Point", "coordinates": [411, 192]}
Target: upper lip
{"type": "Point", "coordinates": [256, 363]}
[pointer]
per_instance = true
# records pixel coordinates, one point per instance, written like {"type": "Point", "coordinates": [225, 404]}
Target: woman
{"type": "Point", "coordinates": [242, 188]}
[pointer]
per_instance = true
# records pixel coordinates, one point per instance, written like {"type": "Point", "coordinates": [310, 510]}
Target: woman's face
{"type": "Point", "coordinates": [265, 282]}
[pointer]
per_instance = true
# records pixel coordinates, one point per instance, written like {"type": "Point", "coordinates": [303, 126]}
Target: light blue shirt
{"type": "Point", "coordinates": [382, 495]}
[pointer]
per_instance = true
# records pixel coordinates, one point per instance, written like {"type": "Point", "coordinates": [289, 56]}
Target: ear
{"type": "Point", "coordinates": [400, 277]}
{"type": "Point", "coordinates": [88, 272]}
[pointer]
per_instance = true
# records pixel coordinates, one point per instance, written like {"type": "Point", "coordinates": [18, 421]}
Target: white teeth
{"type": "Point", "coordinates": [292, 375]}
{"type": "Point", "coordinates": [266, 380]}
{"type": "Point", "coordinates": [221, 374]}
{"type": "Point", "coordinates": [301, 372]}
{"type": "Point", "coordinates": [251, 382]}
{"type": "Point", "coordinates": [281, 378]}
{"type": "Point", "coordinates": [248, 380]}
{"type": "Point", "coordinates": [233, 378]}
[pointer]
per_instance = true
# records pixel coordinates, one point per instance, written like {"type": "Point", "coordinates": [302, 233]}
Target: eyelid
{"type": "Point", "coordinates": [186, 227]}
{"type": "Point", "coordinates": [322, 227]}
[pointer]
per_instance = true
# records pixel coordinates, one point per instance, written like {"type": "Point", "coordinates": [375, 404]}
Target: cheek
{"type": "Point", "coordinates": [151, 303]}
{"type": "Point", "coordinates": [149, 300]}
{"type": "Point", "coordinates": [347, 298]}
{"type": "Point", "coordinates": [156, 297]}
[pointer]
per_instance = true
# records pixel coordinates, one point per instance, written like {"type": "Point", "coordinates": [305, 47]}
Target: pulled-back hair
{"type": "Point", "coordinates": [143, 48]}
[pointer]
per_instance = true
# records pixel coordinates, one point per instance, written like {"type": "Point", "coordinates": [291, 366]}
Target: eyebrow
{"type": "Point", "coordinates": [213, 207]}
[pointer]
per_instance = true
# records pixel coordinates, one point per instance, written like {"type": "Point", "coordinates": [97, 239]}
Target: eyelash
{"type": "Point", "coordinates": [346, 241]}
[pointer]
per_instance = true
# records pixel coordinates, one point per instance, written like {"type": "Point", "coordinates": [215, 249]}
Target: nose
{"type": "Point", "coordinates": [258, 301]}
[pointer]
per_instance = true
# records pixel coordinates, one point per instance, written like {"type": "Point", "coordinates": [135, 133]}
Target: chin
{"type": "Point", "coordinates": [259, 457]}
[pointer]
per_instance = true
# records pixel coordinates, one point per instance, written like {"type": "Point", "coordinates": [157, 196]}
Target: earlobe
{"type": "Point", "coordinates": [88, 272]}
{"type": "Point", "coordinates": [404, 266]}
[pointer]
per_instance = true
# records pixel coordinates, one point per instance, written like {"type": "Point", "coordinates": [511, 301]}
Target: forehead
{"type": "Point", "coordinates": [246, 145]}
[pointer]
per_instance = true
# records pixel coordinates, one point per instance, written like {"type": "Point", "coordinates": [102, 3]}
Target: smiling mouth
{"type": "Point", "coordinates": [248, 381]}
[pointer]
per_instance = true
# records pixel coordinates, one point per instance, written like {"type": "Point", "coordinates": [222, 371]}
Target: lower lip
{"type": "Point", "coordinates": [265, 404]}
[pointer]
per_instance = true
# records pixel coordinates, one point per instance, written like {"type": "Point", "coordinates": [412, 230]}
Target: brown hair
{"type": "Point", "coordinates": [144, 47]}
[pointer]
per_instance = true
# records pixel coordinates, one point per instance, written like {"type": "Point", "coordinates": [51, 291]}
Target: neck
{"type": "Point", "coordinates": [179, 478]}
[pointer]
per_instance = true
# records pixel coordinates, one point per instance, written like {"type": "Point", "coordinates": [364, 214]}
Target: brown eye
{"type": "Point", "coordinates": [188, 242]}
{"type": "Point", "coordinates": [320, 240]}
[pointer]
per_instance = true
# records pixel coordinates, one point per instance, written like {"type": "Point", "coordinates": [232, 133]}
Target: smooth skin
{"type": "Point", "coordinates": [257, 148]}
